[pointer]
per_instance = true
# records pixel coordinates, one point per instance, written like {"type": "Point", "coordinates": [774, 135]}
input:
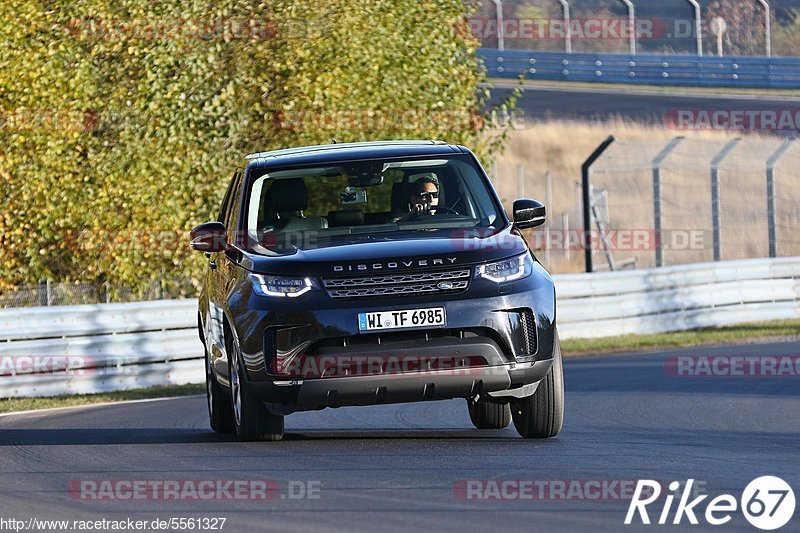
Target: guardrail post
{"type": "Point", "coordinates": [768, 26]}
{"type": "Point", "coordinates": [698, 25]}
{"type": "Point", "coordinates": [501, 40]}
{"type": "Point", "coordinates": [632, 22]}
{"type": "Point", "coordinates": [772, 162]}
{"type": "Point", "coordinates": [587, 213]}
{"type": "Point", "coordinates": [567, 28]}
{"type": "Point", "coordinates": [657, 197]}
{"type": "Point", "coordinates": [715, 204]}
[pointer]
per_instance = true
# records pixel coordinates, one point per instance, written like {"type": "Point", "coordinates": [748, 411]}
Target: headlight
{"type": "Point", "coordinates": [508, 269]}
{"type": "Point", "coordinates": [281, 286]}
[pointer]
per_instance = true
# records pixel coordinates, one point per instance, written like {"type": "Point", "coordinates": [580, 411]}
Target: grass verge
{"type": "Point", "coordinates": [742, 334]}
{"type": "Point", "coordinates": [28, 404]}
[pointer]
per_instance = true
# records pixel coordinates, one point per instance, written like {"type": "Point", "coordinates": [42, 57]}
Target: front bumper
{"type": "Point", "coordinates": [485, 321]}
{"type": "Point", "coordinates": [398, 388]}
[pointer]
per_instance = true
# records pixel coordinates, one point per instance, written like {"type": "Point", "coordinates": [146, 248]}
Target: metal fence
{"type": "Point", "coordinates": [661, 203]}
{"type": "Point", "coordinates": [48, 293]}
{"type": "Point", "coordinates": [696, 27]}
{"type": "Point", "coordinates": [690, 201]}
{"type": "Point", "coordinates": [98, 348]}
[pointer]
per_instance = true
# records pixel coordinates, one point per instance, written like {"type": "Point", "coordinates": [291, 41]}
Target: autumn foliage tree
{"type": "Point", "coordinates": [119, 120]}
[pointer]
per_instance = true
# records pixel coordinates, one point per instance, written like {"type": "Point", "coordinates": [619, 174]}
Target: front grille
{"type": "Point", "coordinates": [398, 284]}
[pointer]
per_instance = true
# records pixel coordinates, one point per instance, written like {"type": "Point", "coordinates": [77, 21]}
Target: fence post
{"type": "Point", "coordinates": [657, 197]}
{"type": "Point", "coordinates": [715, 207]}
{"type": "Point", "coordinates": [41, 293]}
{"type": "Point", "coordinates": [587, 213]}
{"type": "Point", "coordinates": [772, 216]}
{"type": "Point", "coordinates": [549, 204]}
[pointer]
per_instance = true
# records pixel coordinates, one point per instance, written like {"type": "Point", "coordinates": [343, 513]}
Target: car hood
{"type": "Point", "coordinates": [386, 252]}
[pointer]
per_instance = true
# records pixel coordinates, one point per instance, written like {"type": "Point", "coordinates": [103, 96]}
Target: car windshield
{"type": "Point", "coordinates": [374, 196]}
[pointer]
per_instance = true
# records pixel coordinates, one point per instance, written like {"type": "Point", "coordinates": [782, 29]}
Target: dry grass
{"type": "Point", "coordinates": [561, 147]}
{"type": "Point", "coordinates": [753, 333]}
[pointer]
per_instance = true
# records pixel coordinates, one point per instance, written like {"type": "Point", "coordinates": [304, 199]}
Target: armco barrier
{"type": "Point", "coordinates": [645, 69]}
{"type": "Point", "coordinates": [46, 351]}
{"type": "Point", "coordinates": [97, 348]}
{"type": "Point", "coordinates": [678, 298]}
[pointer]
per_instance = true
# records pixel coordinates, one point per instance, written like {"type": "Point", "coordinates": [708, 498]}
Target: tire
{"type": "Point", "coordinates": [541, 415]}
{"type": "Point", "coordinates": [485, 415]}
{"type": "Point", "coordinates": [220, 412]}
{"type": "Point", "coordinates": [252, 420]}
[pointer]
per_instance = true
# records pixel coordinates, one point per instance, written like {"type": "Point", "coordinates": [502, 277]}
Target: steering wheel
{"type": "Point", "coordinates": [437, 209]}
{"type": "Point", "coordinates": [448, 210]}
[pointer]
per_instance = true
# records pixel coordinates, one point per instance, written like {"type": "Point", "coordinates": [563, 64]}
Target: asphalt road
{"type": "Point", "coordinates": [642, 106]}
{"type": "Point", "coordinates": [392, 468]}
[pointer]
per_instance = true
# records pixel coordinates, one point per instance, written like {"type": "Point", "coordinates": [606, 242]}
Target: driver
{"type": "Point", "coordinates": [424, 196]}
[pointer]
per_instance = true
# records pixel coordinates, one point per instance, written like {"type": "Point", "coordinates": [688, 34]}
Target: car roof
{"type": "Point", "coordinates": [351, 151]}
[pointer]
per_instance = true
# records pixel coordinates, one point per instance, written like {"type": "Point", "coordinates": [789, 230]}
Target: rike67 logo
{"type": "Point", "coordinates": [768, 503]}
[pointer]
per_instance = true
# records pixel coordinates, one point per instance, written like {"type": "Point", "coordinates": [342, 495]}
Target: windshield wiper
{"type": "Point", "coordinates": [383, 228]}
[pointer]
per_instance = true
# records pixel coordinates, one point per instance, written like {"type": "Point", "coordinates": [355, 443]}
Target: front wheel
{"type": "Point", "coordinates": [541, 415]}
{"type": "Point", "coordinates": [252, 419]}
{"type": "Point", "coordinates": [485, 415]}
{"type": "Point", "coordinates": [220, 413]}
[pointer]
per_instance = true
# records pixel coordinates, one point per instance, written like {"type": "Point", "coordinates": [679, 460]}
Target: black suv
{"type": "Point", "coordinates": [373, 273]}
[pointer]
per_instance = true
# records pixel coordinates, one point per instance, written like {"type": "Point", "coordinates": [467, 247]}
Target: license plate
{"type": "Point", "coordinates": [407, 318]}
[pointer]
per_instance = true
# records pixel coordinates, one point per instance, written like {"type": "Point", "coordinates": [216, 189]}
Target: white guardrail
{"type": "Point", "coordinates": [47, 351]}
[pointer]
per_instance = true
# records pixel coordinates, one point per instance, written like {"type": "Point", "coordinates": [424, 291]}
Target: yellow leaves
{"type": "Point", "coordinates": [174, 114]}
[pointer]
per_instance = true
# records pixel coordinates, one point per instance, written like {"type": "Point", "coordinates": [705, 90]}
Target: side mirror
{"type": "Point", "coordinates": [209, 237]}
{"type": "Point", "coordinates": [529, 214]}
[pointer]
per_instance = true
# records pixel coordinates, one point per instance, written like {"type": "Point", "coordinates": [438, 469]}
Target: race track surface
{"type": "Point", "coordinates": [600, 104]}
{"type": "Point", "coordinates": [393, 468]}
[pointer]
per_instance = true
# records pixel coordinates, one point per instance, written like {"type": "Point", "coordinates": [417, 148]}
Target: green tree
{"type": "Point", "coordinates": [150, 103]}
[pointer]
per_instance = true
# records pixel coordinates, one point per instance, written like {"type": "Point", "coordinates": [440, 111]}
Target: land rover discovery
{"type": "Point", "coordinates": [375, 273]}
